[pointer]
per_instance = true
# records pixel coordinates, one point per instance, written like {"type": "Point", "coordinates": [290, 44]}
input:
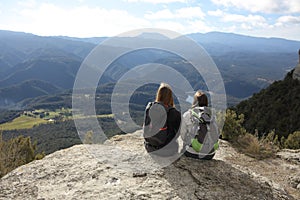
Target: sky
{"type": "Point", "coordinates": [97, 18]}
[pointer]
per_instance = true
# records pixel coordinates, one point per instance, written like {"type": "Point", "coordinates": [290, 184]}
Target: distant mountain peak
{"type": "Point", "coordinates": [156, 36]}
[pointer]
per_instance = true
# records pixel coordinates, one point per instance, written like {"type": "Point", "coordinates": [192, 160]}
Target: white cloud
{"type": "Point", "coordinates": [183, 20]}
{"type": "Point", "coordinates": [246, 26]}
{"type": "Point", "coordinates": [245, 21]}
{"type": "Point", "coordinates": [81, 21]}
{"type": "Point", "coordinates": [256, 25]}
{"type": "Point", "coordinates": [190, 12]}
{"type": "Point", "coordinates": [183, 13]}
{"type": "Point", "coordinates": [288, 20]}
{"type": "Point", "coordinates": [86, 21]}
{"type": "Point", "coordinates": [255, 20]}
{"type": "Point", "coordinates": [288, 32]}
{"type": "Point", "coordinates": [197, 26]}
{"type": "Point", "coordinates": [161, 14]}
{"type": "Point", "coordinates": [28, 3]}
{"type": "Point", "coordinates": [157, 1]}
{"type": "Point", "coordinates": [170, 25]}
{"type": "Point", "coordinates": [193, 26]}
{"type": "Point", "coordinates": [216, 13]}
{"type": "Point", "coordinates": [264, 6]}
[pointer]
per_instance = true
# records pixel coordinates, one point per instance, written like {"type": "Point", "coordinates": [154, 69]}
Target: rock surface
{"type": "Point", "coordinates": [296, 74]}
{"type": "Point", "coordinates": [119, 169]}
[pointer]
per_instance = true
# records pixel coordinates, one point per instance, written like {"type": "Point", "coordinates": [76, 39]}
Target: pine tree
{"type": "Point", "coordinates": [16, 152]}
{"type": "Point", "coordinates": [233, 126]}
{"type": "Point", "coordinates": [293, 141]}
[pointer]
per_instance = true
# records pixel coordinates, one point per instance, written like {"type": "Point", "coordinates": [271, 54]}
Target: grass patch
{"type": "Point", "coordinates": [106, 116]}
{"type": "Point", "coordinates": [22, 122]}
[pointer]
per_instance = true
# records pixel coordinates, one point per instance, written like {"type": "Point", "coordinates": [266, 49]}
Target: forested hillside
{"type": "Point", "coordinates": [276, 107]}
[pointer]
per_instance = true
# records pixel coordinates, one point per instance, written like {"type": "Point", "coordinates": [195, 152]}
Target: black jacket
{"type": "Point", "coordinates": [173, 122]}
{"type": "Point", "coordinates": [166, 137]}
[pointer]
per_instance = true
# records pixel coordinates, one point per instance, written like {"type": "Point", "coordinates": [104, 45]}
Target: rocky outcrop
{"type": "Point", "coordinates": [119, 169]}
{"type": "Point", "coordinates": [296, 73]}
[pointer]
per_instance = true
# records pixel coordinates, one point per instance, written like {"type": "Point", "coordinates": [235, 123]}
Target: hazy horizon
{"type": "Point", "coordinates": [90, 18]}
{"type": "Point", "coordinates": [265, 37]}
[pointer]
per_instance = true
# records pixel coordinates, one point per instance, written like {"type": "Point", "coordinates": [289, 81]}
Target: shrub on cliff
{"type": "Point", "coordinates": [255, 147]}
{"type": "Point", "coordinates": [233, 126]}
{"type": "Point", "coordinates": [245, 142]}
{"type": "Point", "coordinates": [293, 141]}
{"type": "Point", "coordinates": [16, 152]}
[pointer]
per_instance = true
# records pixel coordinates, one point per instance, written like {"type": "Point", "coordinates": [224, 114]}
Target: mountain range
{"type": "Point", "coordinates": [38, 65]}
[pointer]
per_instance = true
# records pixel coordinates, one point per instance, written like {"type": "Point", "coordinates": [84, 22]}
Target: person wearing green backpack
{"type": "Point", "coordinates": [199, 130]}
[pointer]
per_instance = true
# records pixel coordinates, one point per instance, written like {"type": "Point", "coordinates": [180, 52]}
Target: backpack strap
{"type": "Point", "coordinates": [200, 118]}
{"type": "Point", "coordinates": [149, 105]}
{"type": "Point", "coordinates": [197, 115]}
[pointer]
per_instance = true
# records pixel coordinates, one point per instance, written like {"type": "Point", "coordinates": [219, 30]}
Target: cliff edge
{"type": "Point", "coordinates": [75, 173]}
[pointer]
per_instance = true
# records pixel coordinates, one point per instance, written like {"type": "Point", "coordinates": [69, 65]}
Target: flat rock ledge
{"type": "Point", "coordinates": [111, 172]}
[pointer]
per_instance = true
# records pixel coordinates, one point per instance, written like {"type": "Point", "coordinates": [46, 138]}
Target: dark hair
{"type": "Point", "coordinates": [200, 99]}
{"type": "Point", "coordinates": [164, 95]}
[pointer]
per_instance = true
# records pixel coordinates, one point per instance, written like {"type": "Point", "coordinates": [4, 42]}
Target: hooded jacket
{"type": "Point", "coordinates": [199, 133]}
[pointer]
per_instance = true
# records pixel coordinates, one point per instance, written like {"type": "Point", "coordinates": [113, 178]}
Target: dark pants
{"type": "Point", "coordinates": [168, 150]}
{"type": "Point", "coordinates": [207, 157]}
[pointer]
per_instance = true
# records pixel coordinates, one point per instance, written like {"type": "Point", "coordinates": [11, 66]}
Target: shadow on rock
{"type": "Point", "coordinates": [215, 179]}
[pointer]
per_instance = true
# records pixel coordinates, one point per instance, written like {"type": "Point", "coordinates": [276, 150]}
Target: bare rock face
{"type": "Point", "coordinates": [296, 73]}
{"type": "Point", "coordinates": [76, 173]}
